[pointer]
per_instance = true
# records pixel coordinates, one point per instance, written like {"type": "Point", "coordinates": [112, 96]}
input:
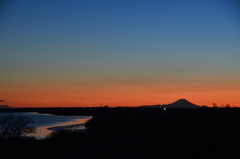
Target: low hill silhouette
{"type": "Point", "coordinates": [4, 106]}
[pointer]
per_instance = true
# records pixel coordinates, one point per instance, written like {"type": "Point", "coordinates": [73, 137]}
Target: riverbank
{"type": "Point", "coordinates": [75, 127]}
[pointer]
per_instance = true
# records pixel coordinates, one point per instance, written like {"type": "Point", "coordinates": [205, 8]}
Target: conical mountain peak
{"type": "Point", "coordinates": [182, 103]}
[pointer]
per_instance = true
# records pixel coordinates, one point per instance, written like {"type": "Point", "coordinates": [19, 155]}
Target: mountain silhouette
{"type": "Point", "coordinates": [181, 103]}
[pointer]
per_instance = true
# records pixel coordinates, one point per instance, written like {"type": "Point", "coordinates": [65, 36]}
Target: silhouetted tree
{"type": "Point", "coordinates": [227, 106]}
{"type": "Point", "coordinates": [13, 126]}
{"type": "Point", "coordinates": [214, 105]}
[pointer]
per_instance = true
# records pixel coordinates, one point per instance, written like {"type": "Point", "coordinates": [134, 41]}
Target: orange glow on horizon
{"type": "Point", "coordinates": [49, 96]}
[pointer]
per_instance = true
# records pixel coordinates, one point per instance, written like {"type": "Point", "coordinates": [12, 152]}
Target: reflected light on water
{"type": "Point", "coordinates": [43, 131]}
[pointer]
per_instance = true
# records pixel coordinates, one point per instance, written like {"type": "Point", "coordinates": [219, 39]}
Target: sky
{"type": "Point", "coordinates": [60, 53]}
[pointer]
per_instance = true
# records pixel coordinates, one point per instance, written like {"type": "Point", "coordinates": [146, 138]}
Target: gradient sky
{"type": "Point", "coordinates": [119, 52]}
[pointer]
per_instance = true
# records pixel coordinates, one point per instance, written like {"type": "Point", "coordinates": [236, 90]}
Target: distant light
{"type": "Point", "coordinates": [164, 109]}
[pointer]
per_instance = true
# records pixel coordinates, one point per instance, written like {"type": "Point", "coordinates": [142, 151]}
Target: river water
{"type": "Point", "coordinates": [45, 123]}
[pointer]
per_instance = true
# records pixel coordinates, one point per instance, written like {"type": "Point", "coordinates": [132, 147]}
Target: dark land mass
{"type": "Point", "coordinates": [136, 133]}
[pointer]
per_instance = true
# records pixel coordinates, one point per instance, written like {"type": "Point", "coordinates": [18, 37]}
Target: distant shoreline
{"type": "Point", "coordinates": [57, 128]}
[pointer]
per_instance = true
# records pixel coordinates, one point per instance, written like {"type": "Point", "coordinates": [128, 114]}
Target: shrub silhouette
{"type": "Point", "coordinates": [13, 126]}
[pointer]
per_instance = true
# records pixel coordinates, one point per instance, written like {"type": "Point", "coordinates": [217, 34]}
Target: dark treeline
{"type": "Point", "coordinates": [87, 111]}
{"type": "Point", "coordinates": [96, 111]}
{"type": "Point", "coordinates": [140, 133]}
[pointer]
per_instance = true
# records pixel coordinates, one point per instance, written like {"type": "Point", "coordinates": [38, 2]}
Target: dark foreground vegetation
{"type": "Point", "coordinates": [132, 133]}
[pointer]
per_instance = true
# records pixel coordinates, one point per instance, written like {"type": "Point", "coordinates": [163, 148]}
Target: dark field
{"type": "Point", "coordinates": [132, 133]}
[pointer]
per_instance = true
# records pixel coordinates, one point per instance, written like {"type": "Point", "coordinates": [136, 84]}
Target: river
{"type": "Point", "coordinates": [45, 123]}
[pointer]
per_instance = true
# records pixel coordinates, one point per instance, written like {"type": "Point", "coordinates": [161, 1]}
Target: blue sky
{"type": "Point", "coordinates": [113, 42]}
